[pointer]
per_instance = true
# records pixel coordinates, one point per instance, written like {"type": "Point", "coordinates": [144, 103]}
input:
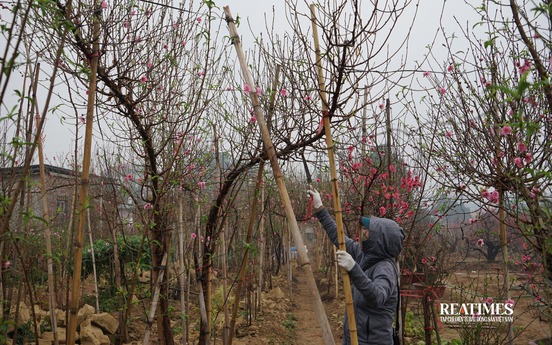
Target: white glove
{"type": "Point", "coordinates": [316, 200]}
{"type": "Point", "coordinates": [345, 260]}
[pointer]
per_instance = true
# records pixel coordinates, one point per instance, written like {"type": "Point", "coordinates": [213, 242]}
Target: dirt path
{"type": "Point", "coordinates": [307, 326]}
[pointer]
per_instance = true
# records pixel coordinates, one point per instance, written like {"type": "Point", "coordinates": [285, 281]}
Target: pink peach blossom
{"type": "Point", "coordinates": [521, 147]}
{"type": "Point", "coordinates": [509, 301]}
{"type": "Point", "coordinates": [506, 130]}
{"type": "Point", "coordinates": [519, 162]}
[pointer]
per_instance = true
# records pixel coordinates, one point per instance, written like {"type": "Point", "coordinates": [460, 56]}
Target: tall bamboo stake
{"type": "Point", "coordinates": [261, 221]}
{"type": "Point", "coordinates": [226, 329]}
{"type": "Point", "coordinates": [93, 257]}
{"type": "Point", "coordinates": [182, 269]}
{"type": "Point", "coordinates": [224, 258]}
{"type": "Point", "coordinates": [389, 152]}
{"type": "Point", "coordinates": [333, 174]}
{"type": "Point", "coordinates": [287, 257]}
{"type": "Point", "coordinates": [363, 152]}
{"type": "Point", "coordinates": [279, 177]}
{"type": "Point", "coordinates": [47, 232]}
{"type": "Point", "coordinates": [84, 183]}
{"type": "Point", "coordinates": [123, 332]}
{"type": "Point", "coordinates": [261, 252]}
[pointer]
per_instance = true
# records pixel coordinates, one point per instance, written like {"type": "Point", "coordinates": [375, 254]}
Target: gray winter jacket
{"type": "Point", "coordinates": [374, 278]}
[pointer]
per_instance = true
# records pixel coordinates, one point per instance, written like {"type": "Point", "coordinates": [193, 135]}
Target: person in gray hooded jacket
{"type": "Point", "coordinates": [373, 273]}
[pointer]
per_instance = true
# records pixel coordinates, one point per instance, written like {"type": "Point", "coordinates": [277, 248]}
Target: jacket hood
{"type": "Point", "coordinates": [385, 240]}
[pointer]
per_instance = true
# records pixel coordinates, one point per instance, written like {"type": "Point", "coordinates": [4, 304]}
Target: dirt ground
{"type": "Point", "coordinates": [477, 276]}
{"type": "Point", "coordinates": [292, 321]}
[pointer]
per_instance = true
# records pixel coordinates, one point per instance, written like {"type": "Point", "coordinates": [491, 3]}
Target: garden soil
{"type": "Point", "coordinates": [292, 321]}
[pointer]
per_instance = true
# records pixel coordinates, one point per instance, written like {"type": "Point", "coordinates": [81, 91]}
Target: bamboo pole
{"type": "Point", "coordinates": [262, 245]}
{"type": "Point", "coordinates": [226, 329]}
{"type": "Point", "coordinates": [182, 269]}
{"type": "Point", "coordinates": [389, 152]}
{"type": "Point", "coordinates": [287, 257]}
{"type": "Point", "coordinates": [47, 232]}
{"type": "Point", "coordinates": [279, 178]}
{"type": "Point", "coordinates": [249, 235]}
{"type": "Point", "coordinates": [335, 190]}
{"type": "Point", "coordinates": [154, 301]}
{"type": "Point", "coordinates": [261, 252]}
{"type": "Point", "coordinates": [84, 183]}
{"type": "Point", "coordinates": [93, 257]}
{"type": "Point", "coordinates": [123, 331]}
{"type": "Point", "coordinates": [363, 153]}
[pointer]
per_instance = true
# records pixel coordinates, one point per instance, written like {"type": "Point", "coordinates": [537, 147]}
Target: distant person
{"type": "Point", "coordinates": [371, 264]}
{"type": "Point", "coordinates": [293, 251]}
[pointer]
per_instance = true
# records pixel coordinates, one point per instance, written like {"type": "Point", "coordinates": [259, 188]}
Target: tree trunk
{"type": "Point", "coordinates": [159, 263]}
{"type": "Point", "coordinates": [241, 274]}
{"type": "Point", "coordinates": [154, 302]}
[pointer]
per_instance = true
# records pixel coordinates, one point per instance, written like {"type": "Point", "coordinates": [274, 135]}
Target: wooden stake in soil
{"type": "Point", "coordinates": [47, 231]}
{"type": "Point", "coordinates": [279, 177]}
{"type": "Point", "coordinates": [335, 190]}
{"type": "Point", "coordinates": [84, 185]}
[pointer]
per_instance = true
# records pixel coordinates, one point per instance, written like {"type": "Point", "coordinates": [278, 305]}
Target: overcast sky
{"type": "Point", "coordinates": [253, 13]}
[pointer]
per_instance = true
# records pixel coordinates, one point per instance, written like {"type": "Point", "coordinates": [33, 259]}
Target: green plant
{"type": "Point", "coordinates": [107, 299]}
{"type": "Point", "coordinates": [290, 323]}
{"type": "Point", "coordinates": [24, 333]}
{"type": "Point", "coordinates": [413, 326]}
{"type": "Point", "coordinates": [128, 253]}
